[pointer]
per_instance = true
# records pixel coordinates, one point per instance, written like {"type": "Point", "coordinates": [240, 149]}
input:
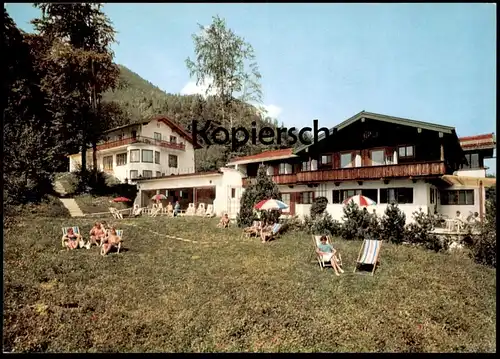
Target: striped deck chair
{"type": "Point", "coordinates": [322, 263]}
{"type": "Point", "coordinates": [368, 254]}
{"type": "Point", "coordinates": [268, 234]}
{"type": "Point", "coordinates": [119, 233]}
{"type": "Point", "coordinates": [155, 211]}
{"type": "Point", "coordinates": [76, 230]}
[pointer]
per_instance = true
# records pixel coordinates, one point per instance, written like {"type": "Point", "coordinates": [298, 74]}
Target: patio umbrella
{"type": "Point", "coordinates": [271, 204]}
{"type": "Point", "coordinates": [158, 197]}
{"type": "Point", "coordinates": [360, 200]}
{"type": "Point", "coordinates": [121, 199]}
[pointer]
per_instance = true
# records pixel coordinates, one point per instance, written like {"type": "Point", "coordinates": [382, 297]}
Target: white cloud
{"type": "Point", "coordinates": [272, 111]}
{"type": "Point", "coordinates": [191, 88]}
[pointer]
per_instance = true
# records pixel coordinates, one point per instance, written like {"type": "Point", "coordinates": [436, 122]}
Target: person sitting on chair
{"type": "Point", "coordinates": [177, 208]}
{"type": "Point", "coordinates": [112, 240]}
{"type": "Point", "coordinates": [97, 233]}
{"type": "Point", "coordinates": [224, 221]}
{"type": "Point", "coordinates": [327, 253]}
{"type": "Point", "coordinates": [72, 239]}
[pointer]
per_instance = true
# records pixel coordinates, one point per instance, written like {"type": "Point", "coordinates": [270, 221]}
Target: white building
{"type": "Point", "coordinates": [148, 149]}
{"type": "Point", "coordinates": [415, 164]}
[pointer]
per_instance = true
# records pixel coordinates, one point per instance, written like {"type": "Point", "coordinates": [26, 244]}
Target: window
{"type": "Point", "coordinates": [345, 160]}
{"type": "Point", "coordinates": [233, 192]}
{"type": "Point", "coordinates": [459, 197]}
{"type": "Point", "coordinates": [157, 136]}
{"type": "Point", "coordinates": [157, 157]}
{"type": "Point", "coordinates": [396, 195]}
{"type": "Point", "coordinates": [432, 196]}
{"type": "Point", "coordinates": [370, 193]}
{"type": "Point", "coordinates": [147, 174]}
{"type": "Point", "coordinates": [306, 166]}
{"type": "Point", "coordinates": [158, 174]}
{"type": "Point", "coordinates": [377, 158]}
{"type": "Point", "coordinates": [135, 155]}
{"type": "Point", "coordinates": [339, 196]}
{"type": "Point", "coordinates": [172, 161]}
{"type": "Point", "coordinates": [173, 139]}
{"type": "Point", "coordinates": [406, 151]}
{"type": "Point", "coordinates": [121, 159]}
{"type": "Point", "coordinates": [321, 190]}
{"type": "Point", "coordinates": [306, 197]}
{"type": "Point", "coordinates": [107, 162]}
{"type": "Point", "coordinates": [134, 174]}
{"type": "Point", "coordinates": [472, 161]}
{"type": "Point", "coordinates": [147, 156]}
{"type": "Point", "coordinates": [326, 160]}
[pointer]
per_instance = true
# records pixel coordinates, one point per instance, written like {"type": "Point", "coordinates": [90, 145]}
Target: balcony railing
{"type": "Point", "coordinates": [141, 139]}
{"type": "Point", "coordinates": [421, 169]}
{"type": "Point", "coordinates": [374, 172]}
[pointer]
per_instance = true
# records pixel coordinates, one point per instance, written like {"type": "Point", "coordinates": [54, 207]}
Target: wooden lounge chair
{"type": "Point", "coordinates": [270, 232]}
{"type": "Point", "coordinates": [191, 210]}
{"type": "Point", "coordinates": [119, 233]}
{"type": "Point", "coordinates": [210, 211]}
{"type": "Point", "coordinates": [368, 254]}
{"type": "Point", "coordinates": [201, 211]}
{"type": "Point", "coordinates": [76, 230]}
{"type": "Point", "coordinates": [155, 211]}
{"type": "Point", "coordinates": [323, 264]}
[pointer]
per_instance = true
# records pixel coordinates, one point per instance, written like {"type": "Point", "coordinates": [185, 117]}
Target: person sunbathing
{"type": "Point", "coordinates": [110, 242]}
{"type": "Point", "coordinates": [72, 239]}
{"type": "Point", "coordinates": [97, 234]}
{"type": "Point", "coordinates": [327, 253]}
{"type": "Point", "coordinates": [224, 221]}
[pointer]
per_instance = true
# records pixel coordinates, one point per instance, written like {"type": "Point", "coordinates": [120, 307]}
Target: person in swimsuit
{"type": "Point", "coordinates": [224, 221]}
{"type": "Point", "coordinates": [97, 234]}
{"type": "Point", "coordinates": [112, 240]}
{"type": "Point", "coordinates": [72, 239]}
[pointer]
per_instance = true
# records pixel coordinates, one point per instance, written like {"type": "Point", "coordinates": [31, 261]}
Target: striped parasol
{"type": "Point", "coordinates": [360, 200]}
{"type": "Point", "coordinates": [270, 204]}
{"type": "Point", "coordinates": [158, 197]}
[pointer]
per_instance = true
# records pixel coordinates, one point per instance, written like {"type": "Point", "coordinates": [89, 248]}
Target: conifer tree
{"type": "Point", "coordinates": [264, 188]}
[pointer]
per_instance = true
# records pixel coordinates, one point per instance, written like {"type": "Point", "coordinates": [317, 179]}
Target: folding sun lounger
{"type": "Point", "coordinates": [368, 254]}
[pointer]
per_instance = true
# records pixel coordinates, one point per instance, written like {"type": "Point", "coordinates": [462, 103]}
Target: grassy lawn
{"type": "Point", "coordinates": [224, 294]}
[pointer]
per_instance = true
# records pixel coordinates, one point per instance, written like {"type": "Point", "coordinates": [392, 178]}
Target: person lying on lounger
{"type": "Point", "coordinates": [224, 221]}
{"type": "Point", "coordinates": [110, 242]}
{"type": "Point", "coordinates": [72, 239]}
{"type": "Point", "coordinates": [327, 252]}
{"type": "Point", "coordinates": [97, 234]}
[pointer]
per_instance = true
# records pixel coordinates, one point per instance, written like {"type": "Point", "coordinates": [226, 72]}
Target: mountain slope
{"type": "Point", "coordinates": [137, 99]}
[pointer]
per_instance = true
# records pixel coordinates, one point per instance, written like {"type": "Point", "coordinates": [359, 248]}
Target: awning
{"type": "Point", "coordinates": [462, 181]}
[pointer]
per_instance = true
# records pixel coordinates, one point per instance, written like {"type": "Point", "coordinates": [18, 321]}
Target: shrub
{"type": "Point", "coordinates": [484, 245]}
{"type": "Point", "coordinates": [393, 224]}
{"type": "Point", "coordinates": [419, 232]}
{"type": "Point", "coordinates": [322, 224]}
{"type": "Point", "coordinates": [264, 188]}
{"type": "Point", "coordinates": [355, 222]}
{"type": "Point", "coordinates": [318, 207]}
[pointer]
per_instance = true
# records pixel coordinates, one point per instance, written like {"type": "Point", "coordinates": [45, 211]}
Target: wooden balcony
{"type": "Point", "coordinates": [141, 139]}
{"type": "Point", "coordinates": [413, 170]}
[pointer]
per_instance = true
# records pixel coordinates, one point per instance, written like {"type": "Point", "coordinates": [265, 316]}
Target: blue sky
{"type": "Point", "coordinates": [428, 62]}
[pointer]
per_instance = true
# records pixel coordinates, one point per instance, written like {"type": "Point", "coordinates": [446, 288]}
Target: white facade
{"type": "Point", "coordinates": [120, 146]}
{"type": "Point", "coordinates": [227, 184]}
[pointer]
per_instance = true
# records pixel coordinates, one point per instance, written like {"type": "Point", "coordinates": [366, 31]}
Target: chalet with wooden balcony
{"type": "Point", "coordinates": [388, 159]}
{"type": "Point", "coordinates": [147, 149]}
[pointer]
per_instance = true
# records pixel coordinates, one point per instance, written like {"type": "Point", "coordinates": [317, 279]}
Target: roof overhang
{"type": "Point", "coordinates": [390, 119]}
{"type": "Point", "coordinates": [463, 181]}
{"type": "Point", "coordinates": [259, 160]}
{"type": "Point", "coordinates": [181, 176]}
